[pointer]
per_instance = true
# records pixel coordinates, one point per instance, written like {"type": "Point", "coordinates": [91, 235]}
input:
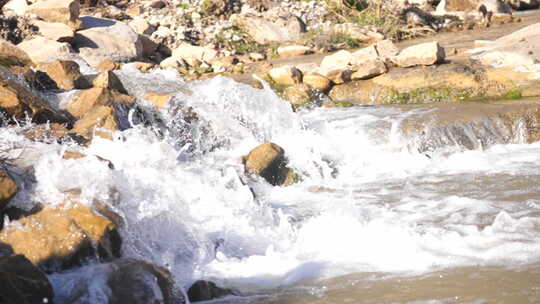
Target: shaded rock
{"type": "Point", "coordinates": [298, 94]}
{"type": "Point", "coordinates": [193, 54]}
{"type": "Point", "coordinates": [58, 238]}
{"type": "Point", "coordinates": [206, 290]}
{"type": "Point", "coordinates": [55, 31]}
{"type": "Point", "coordinates": [317, 81]}
{"type": "Point", "coordinates": [63, 11]}
{"type": "Point", "coordinates": [17, 101]}
{"type": "Point", "coordinates": [421, 54]}
{"type": "Point", "coordinates": [285, 75]}
{"type": "Point", "coordinates": [524, 4]}
{"type": "Point", "coordinates": [22, 282]}
{"type": "Point", "coordinates": [293, 51]}
{"type": "Point", "coordinates": [268, 161]}
{"type": "Point", "coordinates": [264, 31]}
{"type": "Point", "coordinates": [16, 29]}
{"type": "Point", "coordinates": [8, 188]}
{"type": "Point", "coordinates": [12, 55]}
{"type": "Point", "coordinates": [109, 39]}
{"type": "Point", "coordinates": [41, 49]}
{"type": "Point", "coordinates": [149, 47]}
{"type": "Point", "coordinates": [109, 80]}
{"type": "Point", "coordinates": [100, 120]}
{"type": "Point", "coordinates": [66, 74]}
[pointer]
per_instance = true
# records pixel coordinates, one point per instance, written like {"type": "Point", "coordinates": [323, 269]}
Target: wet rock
{"type": "Point", "coordinates": [12, 55]}
{"type": "Point", "coordinates": [293, 51]}
{"type": "Point", "coordinates": [17, 101]}
{"type": "Point", "coordinates": [22, 282]}
{"type": "Point", "coordinates": [205, 291]}
{"type": "Point", "coordinates": [41, 49]}
{"type": "Point", "coordinates": [285, 75]}
{"type": "Point", "coordinates": [109, 39]}
{"type": "Point", "coordinates": [8, 188]}
{"type": "Point", "coordinates": [46, 132]}
{"type": "Point", "coordinates": [99, 120]}
{"type": "Point", "coordinates": [193, 54]}
{"type": "Point", "coordinates": [268, 161]}
{"type": "Point", "coordinates": [265, 31]}
{"type": "Point", "coordinates": [298, 94]}
{"type": "Point", "coordinates": [60, 237]}
{"type": "Point", "coordinates": [160, 101]}
{"type": "Point", "coordinates": [421, 54]}
{"type": "Point", "coordinates": [88, 99]}
{"type": "Point", "coordinates": [109, 80]}
{"type": "Point", "coordinates": [66, 74]}
{"type": "Point", "coordinates": [317, 81]}
{"type": "Point", "coordinates": [63, 11]}
{"type": "Point", "coordinates": [55, 31]}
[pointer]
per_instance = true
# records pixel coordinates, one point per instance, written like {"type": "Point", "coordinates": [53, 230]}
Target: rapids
{"type": "Point", "coordinates": [372, 202]}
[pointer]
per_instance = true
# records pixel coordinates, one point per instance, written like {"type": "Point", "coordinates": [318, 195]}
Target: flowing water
{"type": "Point", "coordinates": [379, 216]}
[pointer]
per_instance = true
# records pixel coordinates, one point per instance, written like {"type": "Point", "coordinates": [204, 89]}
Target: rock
{"type": "Point", "coordinates": [298, 94]}
{"type": "Point", "coordinates": [100, 120]}
{"type": "Point", "coordinates": [141, 26]}
{"type": "Point", "coordinates": [15, 29]}
{"type": "Point", "coordinates": [368, 68]}
{"type": "Point", "coordinates": [364, 54]}
{"type": "Point", "coordinates": [307, 68]}
{"type": "Point", "coordinates": [8, 188]}
{"type": "Point", "coordinates": [57, 238]}
{"type": "Point", "coordinates": [107, 39]}
{"type": "Point", "coordinates": [191, 54]}
{"type": "Point", "coordinates": [226, 62]}
{"type": "Point", "coordinates": [12, 55]}
{"type": "Point", "coordinates": [160, 101]}
{"type": "Point", "coordinates": [22, 282]}
{"type": "Point", "coordinates": [66, 74]}
{"type": "Point", "coordinates": [421, 54]}
{"type": "Point", "coordinates": [63, 11]}
{"type": "Point", "coordinates": [109, 80]}
{"type": "Point", "coordinates": [206, 290]}
{"type": "Point", "coordinates": [143, 66]}
{"type": "Point", "coordinates": [17, 101]}
{"type": "Point", "coordinates": [524, 4]}
{"type": "Point", "coordinates": [386, 49]}
{"type": "Point", "coordinates": [293, 51]}
{"type": "Point", "coordinates": [108, 65]}
{"type": "Point", "coordinates": [264, 31]}
{"type": "Point", "coordinates": [216, 7]}
{"type": "Point", "coordinates": [41, 49]}
{"type": "Point", "coordinates": [285, 75]}
{"type": "Point", "coordinates": [336, 67]}
{"type": "Point", "coordinates": [257, 56]}
{"type": "Point", "coordinates": [118, 282]}
{"type": "Point", "coordinates": [17, 7]}
{"type": "Point", "coordinates": [317, 81]}
{"type": "Point", "coordinates": [98, 96]}
{"type": "Point", "coordinates": [55, 31]}
{"type": "Point", "coordinates": [493, 6]}
{"type": "Point", "coordinates": [169, 63]}
{"type": "Point", "coordinates": [268, 160]}
{"type": "Point", "coordinates": [46, 132]}
{"type": "Point", "coordinates": [149, 47]}
{"type": "Point", "coordinates": [357, 32]}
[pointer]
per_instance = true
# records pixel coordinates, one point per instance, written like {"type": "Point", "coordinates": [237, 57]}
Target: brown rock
{"type": "Point", "coordinates": [108, 65]}
{"type": "Point", "coordinates": [46, 132]}
{"type": "Point", "coordinates": [298, 94]}
{"type": "Point", "coordinates": [317, 81]}
{"type": "Point", "coordinates": [109, 80]}
{"type": "Point", "coordinates": [268, 160]}
{"type": "Point", "coordinates": [293, 51]}
{"type": "Point", "coordinates": [88, 99]}
{"type": "Point", "coordinates": [8, 188]}
{"type": "Point", "coordinates": [63, 11]}
{"type": "Point", "coordinates": [421, 54]}
{"type": "Point", "coordinates": [285, 75]}
{"type": "Point", "coordinates": [160, 101]}
{"type": "Point", "coordinates": [22, 282]}
{"type": "Point", "coordinates": [63, 236]}
{"type": "Point", "coordinates": [41, 49]}
{"type": "Point", "coordinates": [386, 49]}
{"type": "Point", "coordinates": [100, 119]}
{"type": "Point", "coordinates": [368, 68]}
{"type": "Point", "coordinates": [55, 31]}
{"type": "Point", "coordinates": [65, 73]}
{"type": "Point", "coordinates": [149, 47]}
{"type": "Point", "coordinates": [12, 55]}
{"type": "Point", "coordinates": [143, 66]}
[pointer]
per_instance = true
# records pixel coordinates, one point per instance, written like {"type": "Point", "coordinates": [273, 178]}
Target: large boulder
{"type": "Point", "coordinates": [298, 94]}
{"type": "Point", "coordinates": [192, 54]}
{"type": "Point", "coordinates": [268, 161]}
{"type": "Point", "coordinates": [60, 237]}
{"type": "Point", "coordinates": [22, 282]}
{"type": "Point", "coordinates": [317, 81]}
{"type": "Point", "coordinates": [493, 6]}
{"type": "Point", "coordinates": [8, 188]}
{"type": "Point", "coordinates": [203, 290]}
{"type": "Point", "coordinates": [66, 74]}
{"type": "Point", "coordinates": [122, 281]}
{"type": "Point", "coordinates": [265, 31]}
{"type": "Point", "coordinates": [18, 101]}
{"type": "Point", "coordinates": [285, 75]}
{"type": "Point", "coordinates": [85, 100]}
{"type": "Point", "coordinates": [55, 31]}
{"type": "Point", "coordinates": [12, 55]}
{"type": "Point", "coordinates": [428, 53]}
{"type": "Point", "coordinates": [63, 11]}
{"type": "Point", "coordinates": [41, 49]}
{"type": "Point", "coordinates": [103, 39]}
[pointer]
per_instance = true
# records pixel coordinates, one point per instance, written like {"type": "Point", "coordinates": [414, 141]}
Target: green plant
{"type": "Point", "coordinates": [513, 94]}
{"type": "Point", "coordinates": [183, 6]}
{"type": "Point", "coordinates": [340, 39]}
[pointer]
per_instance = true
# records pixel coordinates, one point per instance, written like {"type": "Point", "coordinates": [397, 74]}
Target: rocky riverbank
{"type": "Point", "coordinates": [60, 83]}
